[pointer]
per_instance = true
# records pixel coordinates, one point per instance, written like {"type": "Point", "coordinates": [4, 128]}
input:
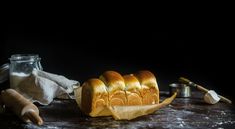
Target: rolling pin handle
{"type": "Point", "coordinates": [226, 100]}
{"type": "Point", "coordinates": [202, 88]}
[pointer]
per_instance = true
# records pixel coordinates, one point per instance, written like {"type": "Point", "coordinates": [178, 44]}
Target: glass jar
{"type": "Point", "coordinates": [21, 67]}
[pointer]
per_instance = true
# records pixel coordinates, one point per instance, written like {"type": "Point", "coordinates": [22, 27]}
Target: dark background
{"type": "Point", "coordinates": [201, 53]}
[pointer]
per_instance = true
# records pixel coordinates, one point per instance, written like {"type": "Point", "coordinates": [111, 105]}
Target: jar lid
{"type": "Point", "coordinates": [24, 57]}
{"type": "Point", "coordinates": [4, 72]}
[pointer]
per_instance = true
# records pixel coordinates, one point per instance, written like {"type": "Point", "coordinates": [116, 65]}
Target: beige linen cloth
{"type": "Point", "coordinates": [43, 87]}
{"type": "Point", "coordinates": [128, 112]}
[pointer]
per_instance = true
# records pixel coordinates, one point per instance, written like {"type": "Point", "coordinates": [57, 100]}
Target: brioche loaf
{"type": "Point", "coordinates": [113, 89]}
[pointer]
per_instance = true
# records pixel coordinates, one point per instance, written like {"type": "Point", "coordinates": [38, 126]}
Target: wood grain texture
{"type": "Point", "coordinates": [182, 113]}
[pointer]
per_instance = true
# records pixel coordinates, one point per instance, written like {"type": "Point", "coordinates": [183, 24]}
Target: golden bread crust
{"type": "Point", "coordinates": [113, 89]}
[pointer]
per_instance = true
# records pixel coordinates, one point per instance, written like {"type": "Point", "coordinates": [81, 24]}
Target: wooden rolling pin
{"type": "Point", "coordinates": [22, 107]}
{"type": "Point", "coordinates": [201, 88]}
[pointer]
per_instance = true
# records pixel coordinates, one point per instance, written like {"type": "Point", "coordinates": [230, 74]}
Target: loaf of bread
{"type": "Point", "coordinates": [113, 89]}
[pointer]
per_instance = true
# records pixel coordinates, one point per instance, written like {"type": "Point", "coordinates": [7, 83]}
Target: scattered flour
{"type": "Point", "coordinates": [32, 126]}
{"type": "Point", "coordinates": [176, 119]}
{"type": "Point", "coordinates": [223, 113]}
{"type": "Point", "coordinates": [179, 119]}
{"type": "Point", "coordinates": [222, 123]}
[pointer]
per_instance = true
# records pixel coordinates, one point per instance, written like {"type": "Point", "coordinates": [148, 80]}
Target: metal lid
{"type": "Point", "coordinates": [4, 72]}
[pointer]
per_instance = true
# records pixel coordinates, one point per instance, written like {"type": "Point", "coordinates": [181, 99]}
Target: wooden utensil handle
{"type": "Point", "coordinates": [202, 88]}
{"type": "Point", "coordinates": [226, 100]}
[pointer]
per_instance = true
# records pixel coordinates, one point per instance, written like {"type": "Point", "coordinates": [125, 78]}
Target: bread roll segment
{"type": "Point", "coordinates": [112, 89]}
{"type": "Point", "coordinates": [116, 88]}
{"type": "Point", "coordinates": [133, 90]}
{"type": "Point", "coordinates": [150, 91]}
{"type": "Point", "coordinates": [94, 97]}
{"type": "Point", "coordinates": [113, 80]}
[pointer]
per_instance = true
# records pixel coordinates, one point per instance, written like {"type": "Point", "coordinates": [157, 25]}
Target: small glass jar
{"type": "Point", "coordinates": [21, 67]}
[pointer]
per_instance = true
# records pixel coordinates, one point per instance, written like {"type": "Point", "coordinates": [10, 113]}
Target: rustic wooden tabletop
{"type": "Point", "coordinates": [182, 113]}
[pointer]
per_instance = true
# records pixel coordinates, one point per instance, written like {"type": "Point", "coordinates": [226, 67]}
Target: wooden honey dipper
{"type": "Point", "coordinates": [22, 107]}
{"type": "Point", "coordinates": [201, 88]}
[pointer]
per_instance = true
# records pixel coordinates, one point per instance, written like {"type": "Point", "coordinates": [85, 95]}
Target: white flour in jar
{"type": "Point", "coordinates": [17, 78]}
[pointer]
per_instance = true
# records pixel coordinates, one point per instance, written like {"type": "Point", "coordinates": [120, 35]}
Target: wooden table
{"type": "Point", "coordinates": [182, 113]}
